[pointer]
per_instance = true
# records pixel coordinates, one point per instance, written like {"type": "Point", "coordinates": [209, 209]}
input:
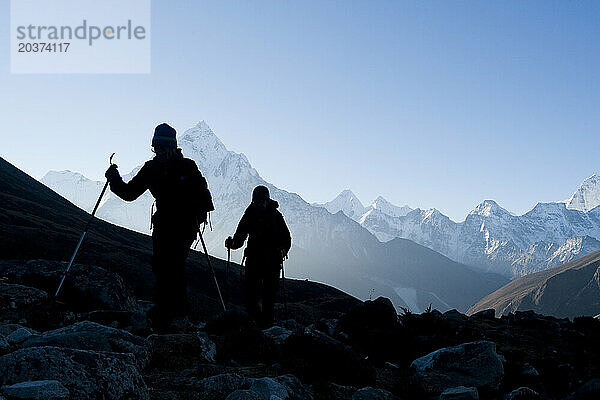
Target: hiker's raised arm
{"type": "Point", "coordinates": [131, 190]}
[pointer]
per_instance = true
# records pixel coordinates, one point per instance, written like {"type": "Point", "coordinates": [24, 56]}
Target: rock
{"type": "Point", "coordinates": [244, 395]}
{"type": "Point", "coordinates": [219, 386]}
{"type": "Point", "coordinates": [590, 390]}
{"type": "Point", "coordinates": [19, 296]}
{"type": "Point", "coordinates": [485, 314]}
{"type": "Point", "coordinates": [529, 371]}
{"type": "Point", "coordinates": [87, 335]}
{"type": "Point", "coordinates": [4, 346]}
{"type": "Point", "coordinates": [334, 391]}
{"type": "Point", "coordinates": [522, 393]}
{"type": "Point", "coordinates": [379, 313]}
{"type": "Point", "coordinates": [369, 393]}
{"type": "Point", "coordinates": [182, 350]}
{"type": "Point", "coordinates": [7, 329]}
{"type": "Point", "coordinates": [39, 390]}
{"type": "Point", "coordinates": [86, 288]}
{"type": "Point", "coordinates": [20, 335]}
{"type": "Point", "coordinates": [267, 387]}
{"type": "Point", "coordinates": [314, 356]}
{"type": "Point", "coordinates": [107, 317]}
{"type": "Point", "coordinates": [277, 334]}
{"type": "Point", "coordinates": [460, 393]}
{"type": "Point", "coordinates": [470, 364]}
{"type": "Point", "coordinates": [373, 328]}
{"type": "Point", "coordinates": [328, 325]}
{"type": "Point", "coordinates": [86, 374]}
{"type": "Point", "coordinates": [295, 388]}
{"type": "Point", "coordinates": [238, 338]}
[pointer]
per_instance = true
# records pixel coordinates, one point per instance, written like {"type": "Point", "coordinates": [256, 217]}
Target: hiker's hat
{"type": "Point", "coordinates": [164, 136]}
{"type": "Point", "coordinates": [260, 193]}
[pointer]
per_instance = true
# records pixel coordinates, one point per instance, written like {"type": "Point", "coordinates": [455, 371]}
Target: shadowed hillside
{"type": "Point", "coordinates": [570, 290]}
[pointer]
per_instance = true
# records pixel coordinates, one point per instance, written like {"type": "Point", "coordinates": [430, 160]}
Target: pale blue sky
{"type": "Point", "coordinates": [428, 103]}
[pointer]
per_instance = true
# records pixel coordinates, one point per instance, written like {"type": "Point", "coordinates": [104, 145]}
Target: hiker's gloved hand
{"type": "Point", "coordinates": [284, 254]}
{"type": "Point", "coordinates": [229, 242]}
{"type": "Point", "coordinates": [112, 173]}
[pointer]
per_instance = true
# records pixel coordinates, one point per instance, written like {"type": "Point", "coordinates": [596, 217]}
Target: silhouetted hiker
{"type": "Point", "coordinates": [269, 241]}
{"type": "Point", "coordinates": [182, 204]}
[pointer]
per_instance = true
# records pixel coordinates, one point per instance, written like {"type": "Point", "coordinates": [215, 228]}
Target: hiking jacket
{"type": "Point", "coordinates": [267, 233]}
{"type": "Point", "coordinates": [181, 193]}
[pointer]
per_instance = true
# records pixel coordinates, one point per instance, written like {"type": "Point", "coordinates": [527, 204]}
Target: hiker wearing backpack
{"type": "Point", "coordinates": [182, 203]}
{"type": "Point", "coordinates": [269, 241]}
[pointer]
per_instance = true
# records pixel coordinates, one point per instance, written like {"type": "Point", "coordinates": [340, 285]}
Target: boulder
{"type": "Point", "coordinates": [243, 395]}
{"type": "Point", "coordinates": [87, 335]}
{"type": "Point", "coordinates": [295, 388]}
{"type": "Point", "coordinates": [523, 393]}
{"type": "Point", "coordinates": [182, 350]}
{"type": "Point", "coordinates": [369, 393]}
{"type": "Point", "coordinates": [86, 288]}
{"type": "Point", "coordinates": [314, 356]}
{"type": "Point", "coordinates": [219, 386]}
{"type": "Point", "coordinates": [86, 374]}
{"type": "Point", "coordinates": [267, 387]}
{"type": "Point", "coordinates": [20, 335]}
{"type": "Point", "coordinates": [238, 338]}
{"type": "Point", "coordinates": [277, 334]}
{"type": "Point", "coordinates": [7, 329]}
{"type": "Point", "coordinates": [4, 346]}
{"type": "Point", "coordinates": [590, 390]}
{"type": "Point", "coordinates": [38, 390]}
{"type": "Point", "coordinates": [379, 313]}
{"type": "Point", "coordinates": [460, 393]}
{"type": "Point", "coordinates": [473, 364]}
{"type": "Point", "coordinates": [15, 296]}
{"type": "Point", "coordinates": [373, 329]}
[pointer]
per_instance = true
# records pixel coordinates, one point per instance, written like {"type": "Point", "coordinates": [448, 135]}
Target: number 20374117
{"type": "Point", "coordinates": [42, 47]}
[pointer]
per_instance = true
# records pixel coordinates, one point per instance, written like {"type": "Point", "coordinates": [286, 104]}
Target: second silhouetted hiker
{"type": "Point", "coordinates": [269, 241]}
{"type": "Point", "coordinates": [182, 203]}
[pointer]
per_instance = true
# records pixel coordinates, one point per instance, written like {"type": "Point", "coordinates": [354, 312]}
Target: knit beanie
{"type": "Point", "coordinates": [164, 136]}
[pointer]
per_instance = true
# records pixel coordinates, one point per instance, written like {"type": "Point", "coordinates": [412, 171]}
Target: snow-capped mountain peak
{"type": "Point", "coordinates": [388, 208]}
{"type": "Point", "coordinates": [487, 208]}
{"type": "Point", "coordinates": [348, 203]}
{"type": "Point", "coordinates": [587, 196]}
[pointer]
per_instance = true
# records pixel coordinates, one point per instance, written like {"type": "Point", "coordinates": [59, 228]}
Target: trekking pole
{"type": "Point", "coordinates": [285, 309]}
{"type": "Point", "coordinates": [212, 270]}
{"type": "Point", "coordinates": [84, 232]}
{"type": "Point", "coordinates": [227, 273]}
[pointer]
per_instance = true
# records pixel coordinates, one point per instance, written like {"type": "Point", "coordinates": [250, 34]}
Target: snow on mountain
{"type": "Point", "coordinates": [82, 191]}
{"type": "Point", "coordinates": [587, 195]}
{"type": "Point", "coordinates": [388, 208]}
{"type": "Point", "coordinates": [348, 203]}
{"type": "Point", "coordinates": [351, 206]}
{"type": "Point", "coordinates": [327, 247]}
{"type": "Point", "coordinates": [496, 240]}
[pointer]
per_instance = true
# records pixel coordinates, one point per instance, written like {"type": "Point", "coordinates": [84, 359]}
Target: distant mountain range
{"type": "Point", "coordinates": [491, 238]}
{"type": "Point", "coordinates": [328, 247]}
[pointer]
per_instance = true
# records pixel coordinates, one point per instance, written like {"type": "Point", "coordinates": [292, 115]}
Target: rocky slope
{"type": "Point", "coordinates": [329, 248]}
{"type": "Point", "coordinates": [570, 290]}
{"type": "Point", "coordinates": [95, 343]}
